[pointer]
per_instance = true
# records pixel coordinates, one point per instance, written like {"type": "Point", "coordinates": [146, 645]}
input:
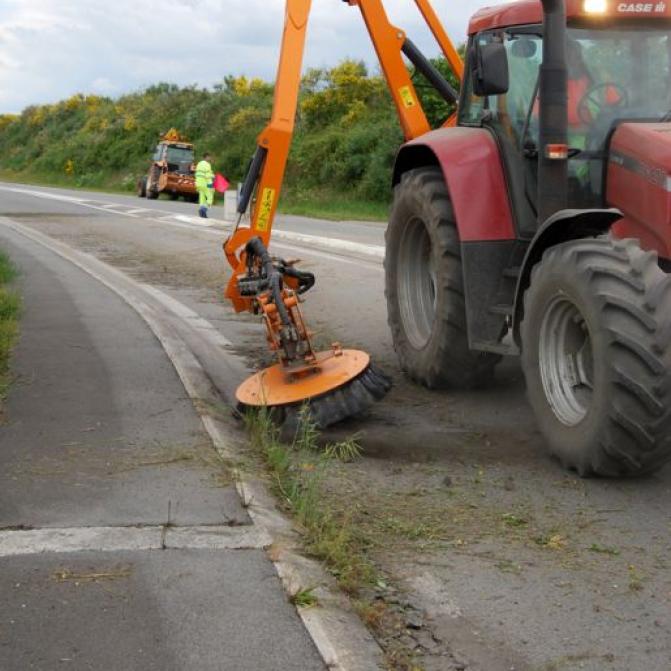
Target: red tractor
{"type": "Point", "coordinates": [535, 223]}
{"type": "Point", "coordinates": [541, 226]}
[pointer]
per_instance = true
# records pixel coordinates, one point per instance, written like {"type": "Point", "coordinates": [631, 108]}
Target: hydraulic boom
{"type": "Point", "coordinates": [337, 383]}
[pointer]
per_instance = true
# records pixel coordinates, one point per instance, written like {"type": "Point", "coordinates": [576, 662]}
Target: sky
{"type": "Point", "coordinates": [51, 49]}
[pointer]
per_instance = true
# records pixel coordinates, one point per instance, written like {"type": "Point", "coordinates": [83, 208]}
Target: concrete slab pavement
{"type": "Point", "coordinates": [99, 430]}
{"type": "Point", "coordinates": [148, 611]}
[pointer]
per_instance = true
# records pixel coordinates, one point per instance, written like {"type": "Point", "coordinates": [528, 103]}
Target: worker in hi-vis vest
{"type": "Point", "coordinates": [204, 185]}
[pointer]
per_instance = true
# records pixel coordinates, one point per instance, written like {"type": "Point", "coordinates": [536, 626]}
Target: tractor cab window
{"type": "Point", "coordinates": [180, 155]}
{"type": "Point", "coordinates": [513, 115]}
{"type": "Point", "coordinates": [158, 153]}
{"type": "Point", "coordinates": [179, 159]}
{"type": "Point", "coordinates": [613, 75]}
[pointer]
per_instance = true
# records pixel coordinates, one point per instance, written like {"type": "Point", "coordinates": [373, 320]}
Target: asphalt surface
{"type": "Point", "coordinates": [535, 569]}
{"type": "Point", "coordinates": [99, 432]}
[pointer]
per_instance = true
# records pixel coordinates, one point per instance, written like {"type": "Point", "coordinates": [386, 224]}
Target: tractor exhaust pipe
{"type": "Point", "coordinates": [553, 113]}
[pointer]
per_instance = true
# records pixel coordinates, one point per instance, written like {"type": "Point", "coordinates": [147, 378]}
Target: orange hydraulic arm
{"type": "Point", "coordinates": [266, 172]}
{"type": "Point", "coordinates": [443, 40]}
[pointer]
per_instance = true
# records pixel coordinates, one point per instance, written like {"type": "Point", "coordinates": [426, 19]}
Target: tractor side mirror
{"type": "Point", "coordinates": [490, 69]}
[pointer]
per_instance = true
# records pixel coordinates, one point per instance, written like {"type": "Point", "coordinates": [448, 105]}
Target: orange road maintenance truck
{"type": "Point", "coordinates": [172, 170]}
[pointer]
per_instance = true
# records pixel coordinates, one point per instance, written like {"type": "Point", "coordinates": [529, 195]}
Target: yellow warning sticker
{"type": "Point", "coordinates": [265, 207]}
{"type": "Point", "coordinates": [407, 97]}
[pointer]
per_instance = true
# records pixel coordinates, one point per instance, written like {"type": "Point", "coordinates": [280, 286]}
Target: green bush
{"type": "Point", "coordinates": [347, 133]}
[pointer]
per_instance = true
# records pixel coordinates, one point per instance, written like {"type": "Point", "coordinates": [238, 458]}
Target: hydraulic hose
{"type": "Point", "coordinates": [252, 177]}
{"type": "Point", "coordinates": [305, 280]}
{"type": "Point", "coordinates": [432, 74]}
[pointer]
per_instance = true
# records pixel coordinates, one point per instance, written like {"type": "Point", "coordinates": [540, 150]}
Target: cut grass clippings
{"type": "Point", "coordinates": [10, 304]}
{"type": "Point", "coordinates": [335, 535]}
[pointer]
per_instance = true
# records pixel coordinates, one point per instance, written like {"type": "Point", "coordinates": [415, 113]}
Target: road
{"type": "Point", "coordinates": [508, 561]}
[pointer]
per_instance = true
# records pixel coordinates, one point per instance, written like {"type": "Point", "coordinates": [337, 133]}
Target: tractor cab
{"type": "Point", "coordinates": [178, 157]}
{"type": "Point", "coordinates": [618, 65]}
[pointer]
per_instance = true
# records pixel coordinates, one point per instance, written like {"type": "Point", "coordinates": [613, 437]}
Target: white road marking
{"type": "Point", "coordinates": [336, 244]}
{"type": "Point", "coordinates": [200, 221]}
{"type": "Point", "coordinates": [374, 265]}
{"type": "Point", "coordinates": [217, 538]}
{"type": "Point", "coordinates": [115, 539]}
{"type": "Point", "coordinates": [140, 210]}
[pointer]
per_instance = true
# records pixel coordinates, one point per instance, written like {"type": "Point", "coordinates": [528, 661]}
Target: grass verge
{"type": "Point", "coordinates": [332, 205]}
{"type": "Point", "coordinates": [297, 471]}
{"type": "Point", "coordinates": [333, 527]}
{"type": "Point", "coordinates": [9, 311]}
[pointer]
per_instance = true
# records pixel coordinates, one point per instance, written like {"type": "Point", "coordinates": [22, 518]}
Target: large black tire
{"type": "Point", "coordinates": [596, 339]}
{"type": "Point", "coordinates": [152, 184]}
{"type": "Point", "coordinates": [425, 287]}
{"type": "Point", "coordinates": [142, 187]}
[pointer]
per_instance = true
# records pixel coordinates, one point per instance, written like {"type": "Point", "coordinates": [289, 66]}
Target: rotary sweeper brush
{"type": "Point", "coordinates": [336, 384]}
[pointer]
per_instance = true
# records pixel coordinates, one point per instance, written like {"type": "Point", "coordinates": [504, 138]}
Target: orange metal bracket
{"type": "Point", "coordinates": [388, 42]}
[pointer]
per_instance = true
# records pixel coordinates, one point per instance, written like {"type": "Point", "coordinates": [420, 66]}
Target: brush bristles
{"type": "Point", "coordinates": [350, 400]}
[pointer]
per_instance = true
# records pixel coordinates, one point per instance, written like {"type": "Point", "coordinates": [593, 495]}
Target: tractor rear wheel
{"type": "Point", "coordinates": [142, 187]}
{"type": "Point", "coordinates": [424, 287]}
{"type": "Point", "coordinates": [596, 341]}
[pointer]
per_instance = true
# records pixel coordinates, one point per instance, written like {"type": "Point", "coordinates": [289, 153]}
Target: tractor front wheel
{"type": "Point", "coordinates": [424, 287]}
{"type": "Point", "coordinates": [152, 183]}
{"type": "Point", "coordinates": [596, 341]}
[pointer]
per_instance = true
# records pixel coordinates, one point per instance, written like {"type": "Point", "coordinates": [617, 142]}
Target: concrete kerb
{"type": "Point", "coordinates": [341, 638]}
{"type": "Point", "coordinates": [130, 539]}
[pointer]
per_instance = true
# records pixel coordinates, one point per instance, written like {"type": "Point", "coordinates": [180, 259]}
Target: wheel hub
{"type": "Point", "coordinates": [566, 361]}
{"type": "Point", "coordinates": [417, 284]}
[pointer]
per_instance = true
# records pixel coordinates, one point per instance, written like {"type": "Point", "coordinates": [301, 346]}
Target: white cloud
{"type": "Point", "coordinates": [50, 49]}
